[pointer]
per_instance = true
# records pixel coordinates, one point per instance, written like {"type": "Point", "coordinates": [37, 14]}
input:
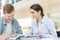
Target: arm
{"type": "Point", "coordinates": [19, 31]}
{"type": "Point", "coordinates": [51, 29]}
{"type": "Point", "coordinates": [30, 31]}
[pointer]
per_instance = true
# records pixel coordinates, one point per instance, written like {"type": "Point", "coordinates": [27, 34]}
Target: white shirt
{"type": "Point", "coordinates": [8, 29]}
{"type": "Point", "coordinates": [46, 28]}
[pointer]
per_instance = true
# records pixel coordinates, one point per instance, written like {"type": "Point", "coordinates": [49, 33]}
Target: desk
{"type": "Point", "coordinates": [37, 38]}
{"type": "Point", "coordinates": [31, 38]}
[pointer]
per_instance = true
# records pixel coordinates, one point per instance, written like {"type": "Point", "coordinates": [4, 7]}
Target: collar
{"type": "Point", "coordinates": [43, 19]}
{"type": "Point", "coordinates": [4, 22]}
{"type": "Point", "coordinates": [3, 18]}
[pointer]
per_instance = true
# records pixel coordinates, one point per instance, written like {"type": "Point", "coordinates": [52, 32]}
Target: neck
{"type": "Point", "coordinates": [39, 19]}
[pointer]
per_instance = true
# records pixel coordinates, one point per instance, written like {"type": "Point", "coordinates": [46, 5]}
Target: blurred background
{"type": "Point", "coordinates": [22, 14]}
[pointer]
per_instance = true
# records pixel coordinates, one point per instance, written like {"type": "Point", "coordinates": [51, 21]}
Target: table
{"type": "Point", "coordinates": [30, 38]}
{"type": "Point", "coordinates": [19, 37]}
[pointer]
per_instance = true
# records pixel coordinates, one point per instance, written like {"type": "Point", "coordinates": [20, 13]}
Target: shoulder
{"type": "Point", "coordinates": [48, 20]}
{"type": "Point", "coordinates": [15, 21]}
{"type": "Point", "coordinates": [1, 19]}
{"type": "Point", "coordinates": [49, 23]}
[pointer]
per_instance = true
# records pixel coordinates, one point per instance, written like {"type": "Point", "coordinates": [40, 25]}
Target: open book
{"type": "Point", "coordinates": [17, 37]}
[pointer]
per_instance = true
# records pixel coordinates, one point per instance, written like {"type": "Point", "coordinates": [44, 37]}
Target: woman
{"type": "Point", "coordinates": [41, 25]}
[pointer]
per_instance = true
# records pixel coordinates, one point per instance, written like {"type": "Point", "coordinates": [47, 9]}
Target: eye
{"type": "Point", "coordinates": [12, 15]}
{"type": "Point", "coordinates": [8, 16]}
{"type": "Point", "coordinates": [32, 12]}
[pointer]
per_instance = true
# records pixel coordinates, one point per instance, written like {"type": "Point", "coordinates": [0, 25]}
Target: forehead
{"type": "Point", "coordinates": [32, 9]}
{"type": "Point", "coordinates": [10, 13]}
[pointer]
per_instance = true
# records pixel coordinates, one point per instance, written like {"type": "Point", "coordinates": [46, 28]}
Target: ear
{"type": "Point", "coordinates": [4, 13]}
{"type": "Point", "coordinates": [39, 12]}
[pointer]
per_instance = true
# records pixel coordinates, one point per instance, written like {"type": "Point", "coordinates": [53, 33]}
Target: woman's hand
{"type": "Point", "coordinates": [40, 35]}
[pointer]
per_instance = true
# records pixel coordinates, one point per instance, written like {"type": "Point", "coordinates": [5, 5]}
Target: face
{"type": "Point", "coordinates": [35, 14]}
{"type": "Point", "coordinates": [9, 16]}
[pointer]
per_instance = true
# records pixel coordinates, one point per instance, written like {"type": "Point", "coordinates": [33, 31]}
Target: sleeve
{"type": "Point", "coordinates": [19, 30]}
{"type": "Point", "coordinates": [51, 29]}
{"type": "Point", "coordinates": [30, 32]}
{"type": "Point", "coordinates": [0, 26]}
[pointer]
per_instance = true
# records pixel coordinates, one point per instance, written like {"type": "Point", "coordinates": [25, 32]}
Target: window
{"type": "Point", "coordinates": [6, 1]}
{"type": "Point", "coordinates": [0, 5]}
{"type": "Point", "coordinates": [13, 1]}
{"type": "Point", "coordinates": [18, 0]}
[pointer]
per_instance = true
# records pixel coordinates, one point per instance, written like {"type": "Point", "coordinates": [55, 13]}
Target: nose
{"type": "Point", "coordinates": [32, 14]}
{"type": "Point", "coordinates": [11, 17]}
